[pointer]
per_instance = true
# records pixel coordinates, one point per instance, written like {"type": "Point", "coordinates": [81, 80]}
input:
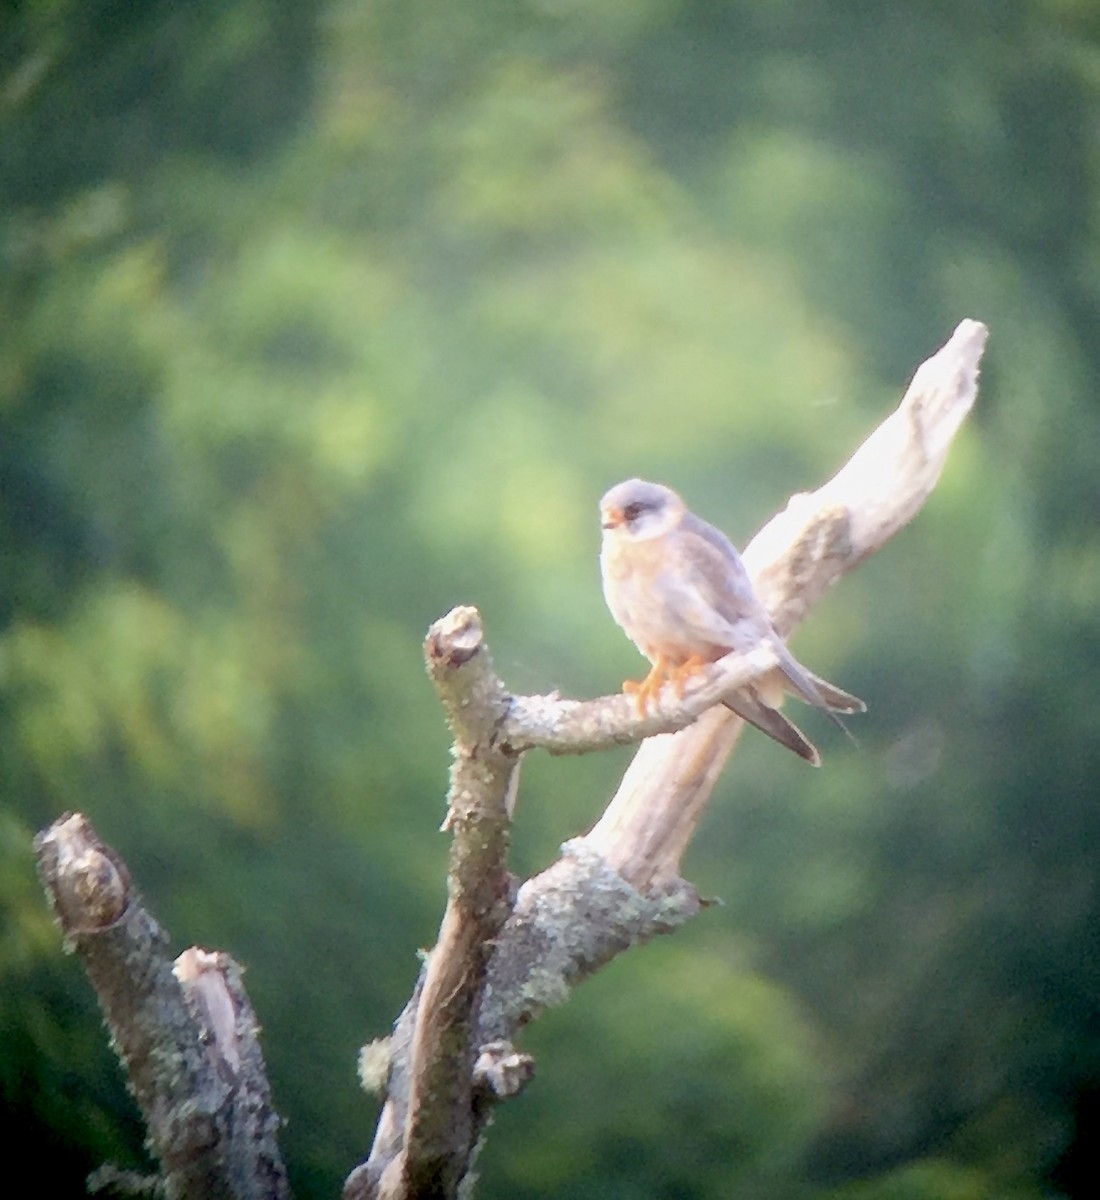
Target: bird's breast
{"type": "Point", "coordinates": [644, 597]}
{"type": "Point", "coordinates": [633, 562]}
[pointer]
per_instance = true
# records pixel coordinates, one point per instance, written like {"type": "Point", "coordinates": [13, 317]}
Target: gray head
{"type": "Point", "coordinates": [637, 509]}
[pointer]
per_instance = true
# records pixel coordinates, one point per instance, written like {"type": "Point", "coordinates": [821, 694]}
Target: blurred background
{"type": "Point", "coordinates": [318, 317]}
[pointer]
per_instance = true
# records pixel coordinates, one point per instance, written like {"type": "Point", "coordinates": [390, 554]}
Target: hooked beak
{"type": "Point", "coordinates": [613, 518]}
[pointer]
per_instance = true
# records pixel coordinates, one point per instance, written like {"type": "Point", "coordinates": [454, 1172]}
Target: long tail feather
{"type": "Point", "coordinates": [836, 699]}
{"type": "Point", "coordinates": [772, 722]}
{"type": "Point", "coordinates": [818, 692]}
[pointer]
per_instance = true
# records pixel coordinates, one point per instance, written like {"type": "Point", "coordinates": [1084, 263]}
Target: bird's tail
{"type": "Point", "coordinates": [813, 689]}
{"type": "Point", "coordinates": [759, 704]}
{"type": "Point", "coordinates": [772, 722]}
{"type": "Point", "coordinates": [818, 692]}
{"type": "Point", "coordinates": [828, 695]}
{"type": "Point", "coordinates": [792, 677]}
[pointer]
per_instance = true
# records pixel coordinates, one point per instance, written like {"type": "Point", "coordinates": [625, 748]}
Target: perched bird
{"type": "Point", "coordinates": [682, 595]}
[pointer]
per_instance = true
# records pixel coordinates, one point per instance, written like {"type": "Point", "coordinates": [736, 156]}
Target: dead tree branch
{"type": "Point", "coordinates": [498, 964]}
{"type": "Point", "coordinates": [185, 1032]}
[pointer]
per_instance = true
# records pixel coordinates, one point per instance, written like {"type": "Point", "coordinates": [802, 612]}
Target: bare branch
{"type": "Point", "coordinates": [820, 536]}
{"type": "Point", "coordinates": [185, 1032]}
{"type": "Point", "coordinates": [490, 972]}
{"type": "Point", "coordinates": [568, 922]}
{"type": "Point", "coordinates": [426, 1136]}
{"type": "Point", "coordinates": [581, 726]}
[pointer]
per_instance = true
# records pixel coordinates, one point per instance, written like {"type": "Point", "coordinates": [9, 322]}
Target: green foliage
{"type": "Point", "coordinates": [319, 318]}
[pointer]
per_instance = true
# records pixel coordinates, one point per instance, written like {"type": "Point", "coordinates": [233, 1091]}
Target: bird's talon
{"type": "Point", "coordinates": [632, 687]}
{"type": "Point", "coordinates": [684, 672]}
{"type": "Point", "coordinates": [648, 688]}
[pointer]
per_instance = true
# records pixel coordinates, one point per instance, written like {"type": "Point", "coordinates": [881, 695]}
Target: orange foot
{"type": "Point", "coordinates": [644, 692]}
{"type": "Point", "coordinates": [682, 673]}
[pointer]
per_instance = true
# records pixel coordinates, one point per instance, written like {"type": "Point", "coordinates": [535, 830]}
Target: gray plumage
{"type": "Point", "coordinates": [678, 588]}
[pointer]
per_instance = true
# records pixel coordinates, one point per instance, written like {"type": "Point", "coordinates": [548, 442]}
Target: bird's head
{"type": "Point", "coordinates": [637, 510]}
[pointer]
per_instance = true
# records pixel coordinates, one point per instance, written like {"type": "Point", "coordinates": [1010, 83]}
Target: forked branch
{"type": "Point", "coordinates": [497, 964]}
{"type": "Point", "coordinates": [184, 1030]}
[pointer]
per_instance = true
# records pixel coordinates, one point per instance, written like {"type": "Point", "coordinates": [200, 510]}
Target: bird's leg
{"type": "Point", "coordinates": [681, 674]}
{"type": "Point", "coordinates": [645, 691]}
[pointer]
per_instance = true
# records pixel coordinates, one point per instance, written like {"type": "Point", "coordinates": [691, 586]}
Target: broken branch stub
{"type": "Point", "coordinates": [184, 1031]}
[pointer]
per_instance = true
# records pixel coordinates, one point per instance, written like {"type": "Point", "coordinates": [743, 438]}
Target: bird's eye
{"type": "Point", "coordinates": [634, 510]}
